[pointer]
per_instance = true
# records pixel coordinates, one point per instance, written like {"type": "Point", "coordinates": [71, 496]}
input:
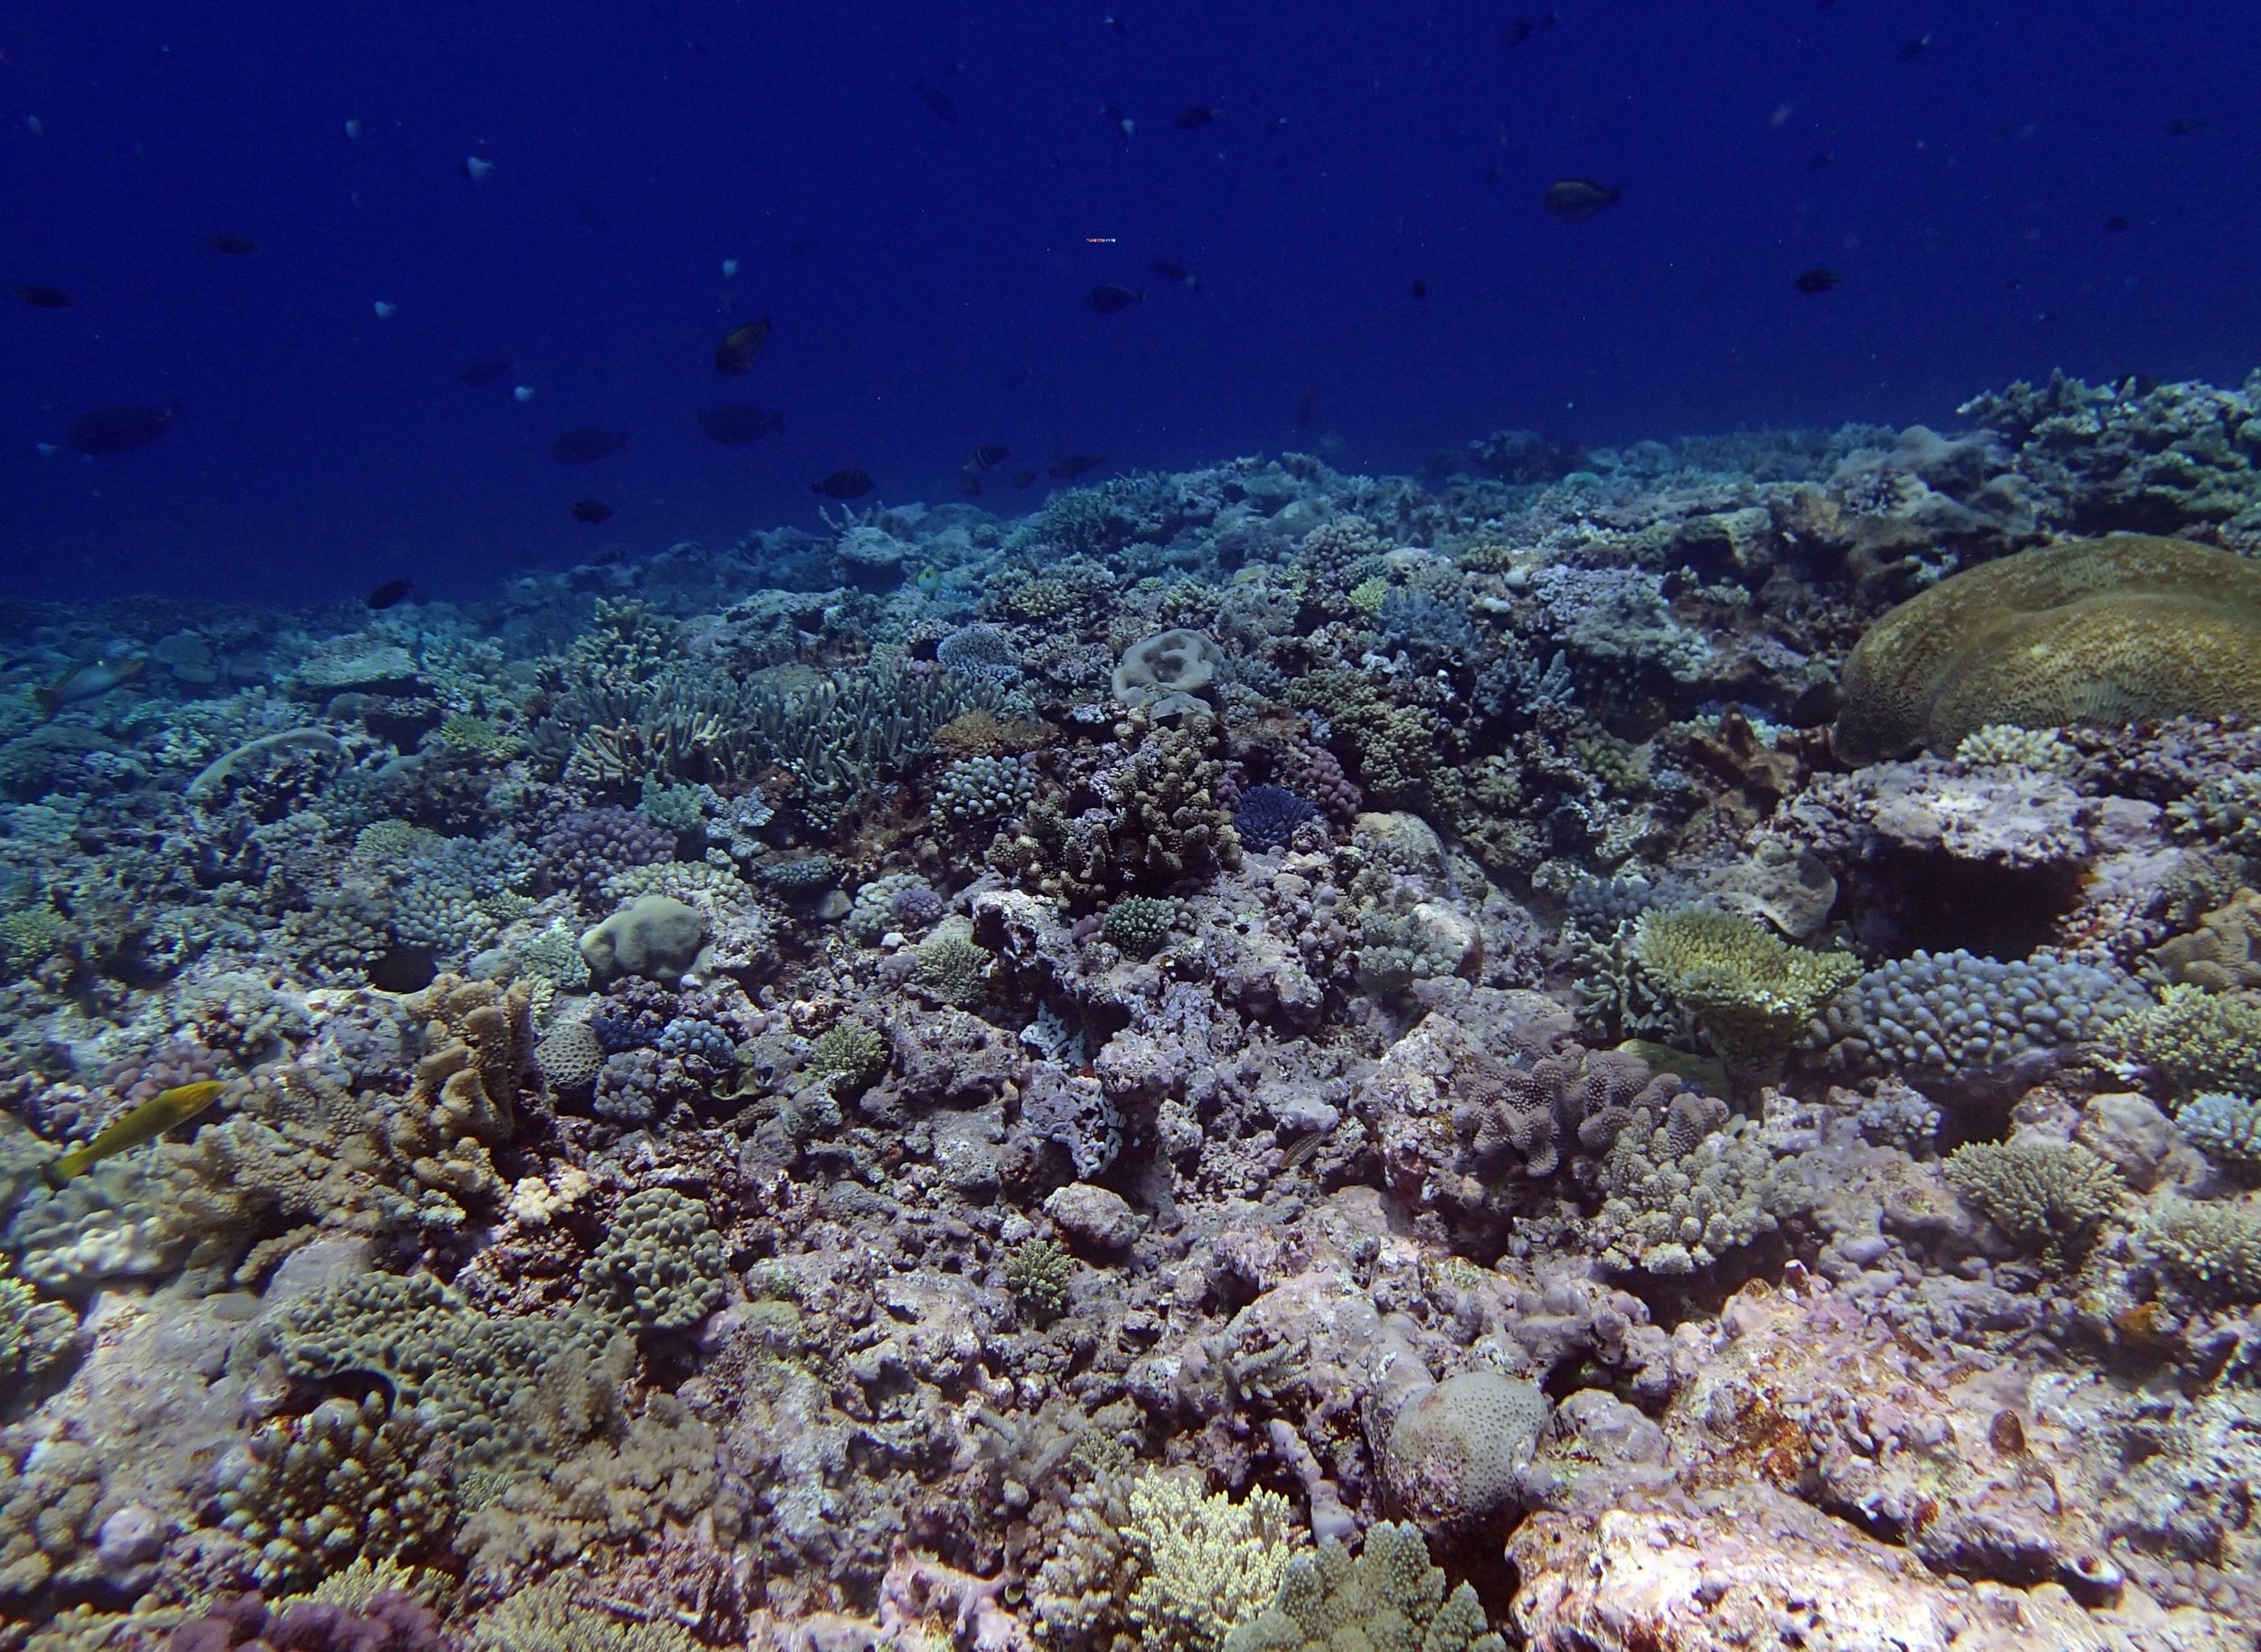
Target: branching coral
{"type": "Point", "coordinates": [1752, 992]}
{"type": "Point", "coordinates": [1206, 1563]}
{"type": "Point", "coordinates": [1390, 1599]}
{"type": "Point", "coordinates": [2049, 1196]}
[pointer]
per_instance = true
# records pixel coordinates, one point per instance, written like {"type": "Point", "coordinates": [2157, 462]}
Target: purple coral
{"type": "Point", "coordinates": [1269, 815]}
{"type": "Point", "coordinates": [591, 844]}
{"type": "Point", "coordinates": [915, 906]}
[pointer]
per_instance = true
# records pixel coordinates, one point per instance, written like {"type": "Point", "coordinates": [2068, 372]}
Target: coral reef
{"type": "Point", "coordinates": [1257, 1058]}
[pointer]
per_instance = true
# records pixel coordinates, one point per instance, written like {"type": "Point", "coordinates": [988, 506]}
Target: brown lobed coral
{"type": "Point", "coordinates": [2095, 631]}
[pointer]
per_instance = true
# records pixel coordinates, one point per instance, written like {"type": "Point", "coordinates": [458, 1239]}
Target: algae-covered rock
{"type": "Point", "coordinates": [2102, 631]}
{"type": "Point", "coordinates": [653, 935]}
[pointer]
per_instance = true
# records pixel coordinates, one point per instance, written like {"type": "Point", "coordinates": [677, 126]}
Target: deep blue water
{"type": "Point", "coordinates": [928, 278]}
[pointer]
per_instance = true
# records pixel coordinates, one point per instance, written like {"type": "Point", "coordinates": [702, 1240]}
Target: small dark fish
{"type": "Point", "coordinates": [1024, 478]}
{"type": "Point", "coordinates": [391, 594]}
{"type": "Point", "coordinates": [1915, 48]}
{"type": "Point", "coordinates": [1818, 161]}
{"type": "Point", "coordinates": [735, 422]}
{"type": "Point", "coordinates": [234, 246]}
{"type": "Point", "coordinates": [1305, 405]}
{"type": "Point", "coordinates": [1194, 117]}
{"type": "Point", "coordinates": [2183, 125]}
{"type": "Point", "coordinates": [1018, 377]}
{"type": "Point", "coordinates": [592, 511]}
{"type": "Point", "coordinates": [585, 444]}
{"type": "Point", "coordinates": [1169, 271]}
{"type": "Point", "coordinates": [87, 679]}
{"type": "Point", "coordinates": [945, 106]}
{"type": "Point", "coordinates": [41, 297]}
{"type": "Point", "coordinates": [970, 485]}
{"type": "Point", "coordinates": [1108, 298]}
{"type": "Point", "coordinates": [843, 484]}
{"type": "Point", "coordinates": [802, 246]}
{"type": "Point", "coordinates": [591, 218]}
{"type": "Point", "coordinates": [120, 429]}
{"type": "Point", "coordinates": [2117, 224]}
{"type": "Point", "coordinates": [741, 347]}
{"type": "Point", "coordinates": [1070, 465]}
{"type": "Point", "coordinates": [1491, 175]}
{"type": "Point", "coordinates": [152, 1119]}
{"type": "Point", "coordinates": [1571, 199]}
{"type": "Point", "coordinates": [1117, 24]}
{"type": "Point", "coordinates": [1816, 280]}
{"type": "Point", "coordinates": [1523, 28]}
{"type": "Point", "coordinates": [484, 371]}
{"type": "Point", "coordinates": [1421, 289]}
{"type": "Point", "coordinates": [988, 457]}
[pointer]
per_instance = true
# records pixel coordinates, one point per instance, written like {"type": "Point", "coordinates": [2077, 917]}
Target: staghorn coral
{"type": "Point", "coordinates": [2049, 1196]}
{"type": "Point", "coordinates": [853, 1051]}
{"type": "Point", "coordinates": [1205, 1563]}
{"type": "Point", "coordinates": [1136, 925]}
{"type": "Point", "coordinates": [1752, 992]}
{"type": "Point", "coordinates": [1390, 1599]}
{"type": "Point", "coordinates": [2212, 1249]}
{"type": "Point", "coordinates": [1268, 816]}
{"type": "Point", "coordinates": [1038, 1273]}
{"type": "Point", "coordinates": [2226, 1130]}
{"type": "Point", "coordinates": [564, 1613]}
{"type": "Point", "coordinates": [2193, 1040]}
{"type": "Point", "coordinates": [2093, 631]}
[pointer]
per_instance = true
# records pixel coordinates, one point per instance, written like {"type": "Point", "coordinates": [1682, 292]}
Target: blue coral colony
{"type": "Point", "coordinates": [1141, 1102]}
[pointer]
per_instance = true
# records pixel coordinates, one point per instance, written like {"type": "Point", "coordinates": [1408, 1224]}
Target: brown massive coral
{"type": "Point", "coordinates": [2095, 631]}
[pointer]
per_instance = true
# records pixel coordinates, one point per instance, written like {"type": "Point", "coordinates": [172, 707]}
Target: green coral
{"type": "Point", "coordinates": [350, 1480]}
{"type": "Point", "coordinates": [2103, 631]}
{"type": "Point", "coordinates": [1206, 1563]}
{"type": "Point", "coordinates": [28, 936]}
{"type": "Point", "coordinates": [34, 1335]}
{"type": "Point", "coordinates": [1037, 1272]}
{"type": "Point", "coordinates": [553, 1616]}
{"type": "Point", "coordinates": [462, 731]}
{"type": "Point", "coordinates": [2196, 1041]}
{"type": "Point", "coordinates": [2212, 1249]}
{"type": "Point", "coordinates": [854, 1052]}
{"type": "Point", "coordinates": [661, 1266]}
{"type": "Point", "coordinates": [1751, 991]}
{"type": "Point", "coordinates": [2226, 1130]}
{"type": "Point", "coordinates": [680, 807]}
{"type": "Point", "coordinates": [954, 969]}
{"type": "Point", "coordinates": [1138, 924]}
{"type": "Point", "coordinates": [1389, 1600]}
{"type": "Point", "coordinates": [2049, 1196]}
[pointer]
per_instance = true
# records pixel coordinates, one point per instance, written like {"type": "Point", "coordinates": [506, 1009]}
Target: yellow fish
{"type": "Point", "coordinates": [153, 1118]}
